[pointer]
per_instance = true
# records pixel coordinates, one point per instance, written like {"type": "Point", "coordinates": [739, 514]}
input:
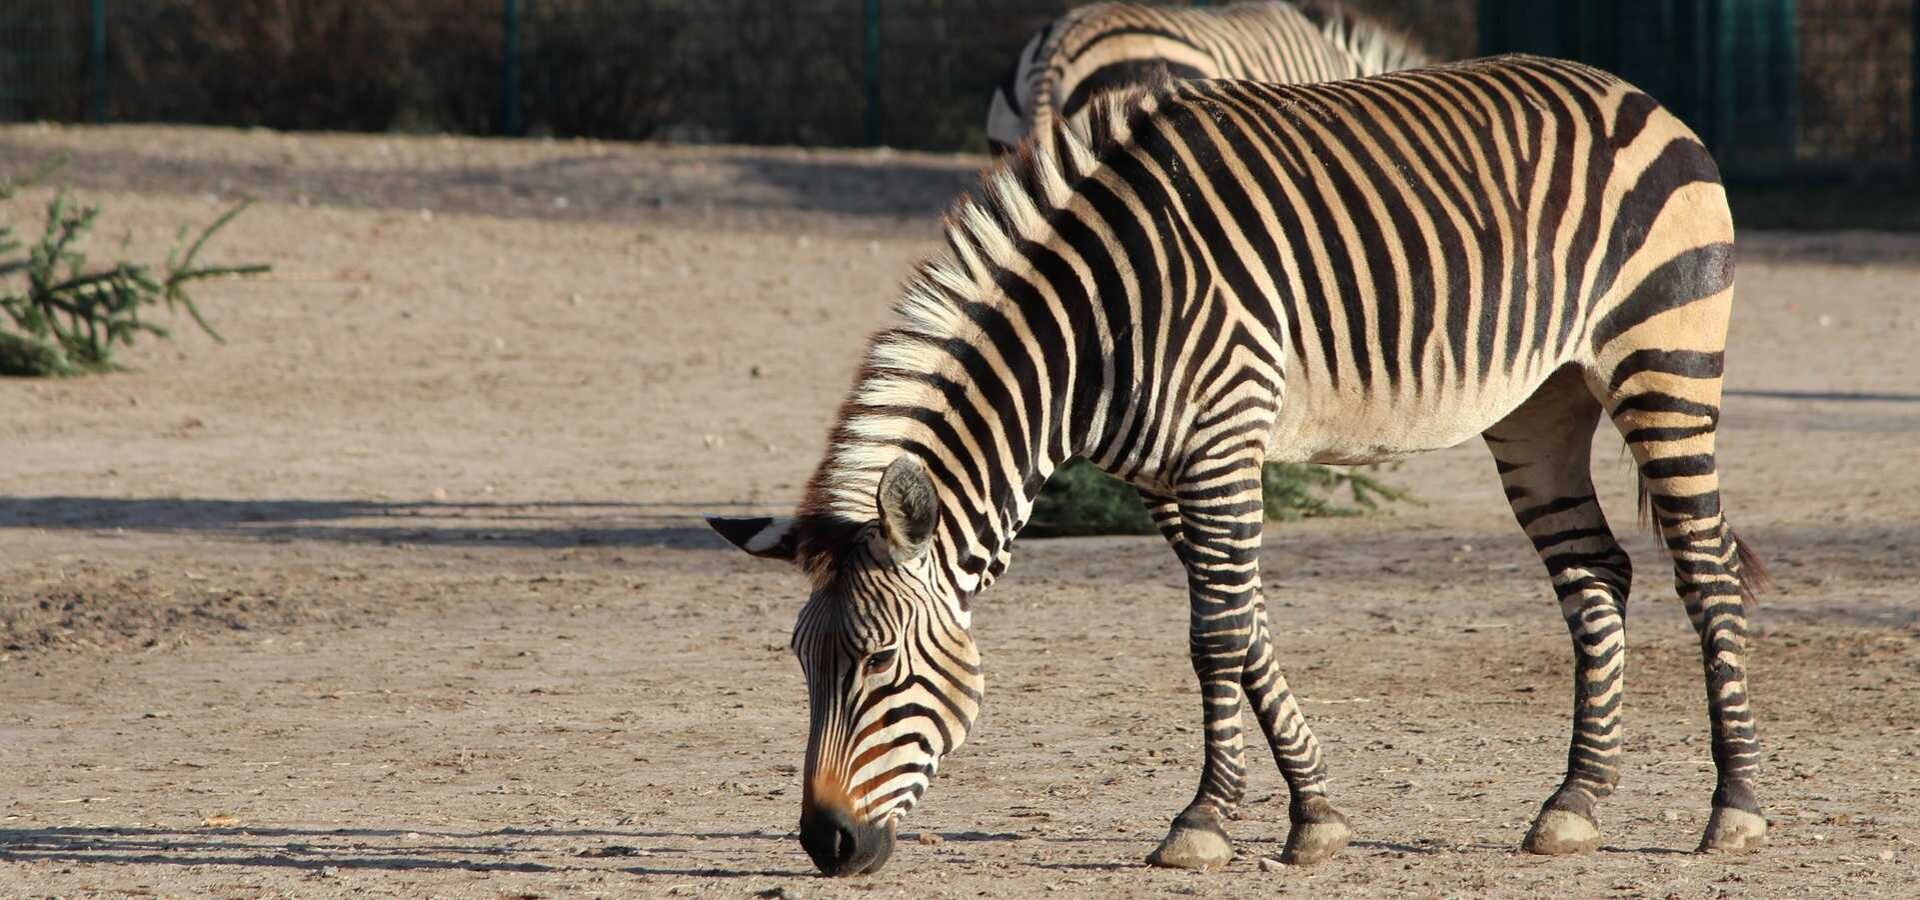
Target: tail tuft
{"type": "Point", "coordinates": [1749, 569]}
{"type": "Point", "coordinates": [1747, 565]}
{"type": "Point", "coordinates": [1645, 502]}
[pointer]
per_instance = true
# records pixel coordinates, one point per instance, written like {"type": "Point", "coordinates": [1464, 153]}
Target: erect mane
{"type": "Point", "coordinates": [983, 229]}
{"type": "Point", "coordinates": [1378, 47]}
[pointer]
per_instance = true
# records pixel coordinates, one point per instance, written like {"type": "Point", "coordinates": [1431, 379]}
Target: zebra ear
{"type": "Point", "coordinates": [907, 508]}
{"type": "Point", "coordinates": [762, 536]}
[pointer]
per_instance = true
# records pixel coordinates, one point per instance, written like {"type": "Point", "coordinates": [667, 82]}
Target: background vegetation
{"type": "Point", "coordinates": [1080, 499]}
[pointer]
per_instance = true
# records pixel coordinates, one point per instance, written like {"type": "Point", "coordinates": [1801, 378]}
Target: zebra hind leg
{"type": "Point", "coordinates": [1667, 405]}
{"type": "Point", "coordinates": [1542, 451]}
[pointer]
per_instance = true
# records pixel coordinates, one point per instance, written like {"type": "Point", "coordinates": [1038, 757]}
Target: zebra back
{"type": "Point", "coordinates": [1111, 46]}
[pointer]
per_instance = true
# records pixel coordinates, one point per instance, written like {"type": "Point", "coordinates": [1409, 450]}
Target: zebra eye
{"type": "Point", "coordinates": [880, 662]}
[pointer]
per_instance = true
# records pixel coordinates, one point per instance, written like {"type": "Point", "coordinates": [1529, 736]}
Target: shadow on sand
{"type": "Point", "coordinates": [619, 183]}
{"type": "Point", "coordinates": [535, 524]}
{"type": "Point", "coordinates": [395, 849]}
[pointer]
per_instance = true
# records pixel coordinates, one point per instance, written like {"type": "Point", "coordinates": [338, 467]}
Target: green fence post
{"type": "Point", "coordinates": [873, 73]}
{"type": "Point", "coordinates": [510, 68]}
{"type": "Point", "coordinates": [1784, 61]}
{"type": "Point", "coordinates": [1724, 35]}
{"type": "Point", "coordinates": [1492, 13]}
{"type": "Point", "coordinates": [97, 62]}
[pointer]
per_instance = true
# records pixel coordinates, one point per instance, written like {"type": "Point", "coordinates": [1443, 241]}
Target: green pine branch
{"type": "Point", "coordinates": [62, 317]}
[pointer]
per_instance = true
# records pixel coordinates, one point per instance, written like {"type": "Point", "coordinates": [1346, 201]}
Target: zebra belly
{"type": "Point", "coordinates": [1321, 425]}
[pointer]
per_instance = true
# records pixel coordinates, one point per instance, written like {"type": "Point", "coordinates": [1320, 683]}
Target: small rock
{"type": "Point", "coordinates": [1886, 856]}
{"type": "Point", "coordinates": [327, 872]}
{"type": "Point", "coordinates": [779, 893]}
{"type": "Point", "coordinates": [561, 203]}
{"type": "Point", "coordinates": [440, 494]}
{"type": "Point", "coordinates": [609, 851]}
{"type": "Point", "coordinates": [929, 839]}
{"type": "Point", "coordinates": [755, 371]}
{"type": "Point", "coordinates": [1668, 815]}
{"type": "Point", "coordinates": [426, 215]}
{"type": "Point", "coordinates": [1269, 864]}
{"type": "Point", "coordinates": [713, 441]}
{"type": "Point", "coordinates": [576, 299]}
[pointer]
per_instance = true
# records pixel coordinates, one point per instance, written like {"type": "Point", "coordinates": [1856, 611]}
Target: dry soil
{"type": "Point", "coordinates": [402, 590]}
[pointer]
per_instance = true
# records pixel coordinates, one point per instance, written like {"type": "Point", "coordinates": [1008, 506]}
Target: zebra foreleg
{"type": "Point", "coordinates": [1165, 513]}
{"type": "Point", "coordinates": [1318, 830]}
{"type": "Point", "coordinates": [1215, 528]}
{"type": "Point", "coordinates": [1220, 527]}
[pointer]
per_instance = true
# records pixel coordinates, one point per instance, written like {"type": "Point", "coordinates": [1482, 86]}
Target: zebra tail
{"type": "Point", "coordinates": [1750, 570]}
{"type": "Point", "coordinates": [1645, 503]}
{"type": "Point", "coordinates": [1748, 567]}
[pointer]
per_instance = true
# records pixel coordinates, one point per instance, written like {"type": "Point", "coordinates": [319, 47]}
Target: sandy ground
{"type": "Point", "coordinates": [402, 590]}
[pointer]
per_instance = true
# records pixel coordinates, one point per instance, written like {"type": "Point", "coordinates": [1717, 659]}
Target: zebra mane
{"type": "Point", "coordinates": [984, 230]}
{"type": "Point", "coordinates": [1377, 46]}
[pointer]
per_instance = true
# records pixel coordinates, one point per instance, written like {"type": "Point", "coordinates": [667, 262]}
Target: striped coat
{"type": "Point", "coordinates": [1224, 273]}
{"type": "Point", "coordinates": [1112, 46]}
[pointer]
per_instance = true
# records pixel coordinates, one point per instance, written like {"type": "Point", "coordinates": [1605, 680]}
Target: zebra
{"type": "Point", "coordinates": [1218, 274]}
{"type": "Point", "coordinates": [1108, 46]}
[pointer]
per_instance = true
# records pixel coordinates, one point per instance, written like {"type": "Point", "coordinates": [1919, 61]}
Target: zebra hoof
{"type": "Point", "coordinates": [1734, 831]}
{"type": "Point", "coordinates": [1193, 846]}
{"type": "Point", "coordinates": [1559, 832]}
{"type": "Point", "coordinates": [1310, 843]}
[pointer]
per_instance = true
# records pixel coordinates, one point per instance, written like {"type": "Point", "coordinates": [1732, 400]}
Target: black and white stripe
{"type": "Point", "coordinates": [1114, 46]}
{"type": "Point", "coordinates": [1219, 274]}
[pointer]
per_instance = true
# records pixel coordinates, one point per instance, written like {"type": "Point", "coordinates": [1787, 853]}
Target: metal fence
{"type": "Point", "coordinates": [1773, 85]}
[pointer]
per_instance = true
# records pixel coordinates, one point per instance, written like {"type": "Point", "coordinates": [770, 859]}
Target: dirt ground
{"type": "Point", "coordinates": [402, 591]}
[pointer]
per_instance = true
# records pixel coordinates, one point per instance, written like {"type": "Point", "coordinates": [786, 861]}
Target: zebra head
{"type": "Point", "coordinates": [893, 677]}
{"type": "Point", "coordinates": [1010, 112]}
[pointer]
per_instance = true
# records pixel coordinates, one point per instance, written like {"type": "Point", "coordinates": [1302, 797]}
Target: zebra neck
{"type": "Point", "coordinates": [990, 434]}
{"type": "Point", "coordinates": [998, 368]}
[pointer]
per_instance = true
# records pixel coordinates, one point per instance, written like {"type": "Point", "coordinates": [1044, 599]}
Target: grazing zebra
{"type": "Point", "coordinates": [1109, 46]}
{"type": "Point", "coordinates": [1224, 273]}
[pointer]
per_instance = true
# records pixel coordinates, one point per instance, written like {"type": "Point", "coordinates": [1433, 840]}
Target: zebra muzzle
{"type": "Point", "coordinates": [839, 845]}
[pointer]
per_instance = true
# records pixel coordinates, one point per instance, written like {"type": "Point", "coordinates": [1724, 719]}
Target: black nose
{"type": "Point", "coordinates": [828, 837]}
{"type": "Point", "coordinates": [841, 846]}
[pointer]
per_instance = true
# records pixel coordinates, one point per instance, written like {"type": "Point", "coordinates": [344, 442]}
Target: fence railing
{"type": "Point", "coordinates": [1772, 85]}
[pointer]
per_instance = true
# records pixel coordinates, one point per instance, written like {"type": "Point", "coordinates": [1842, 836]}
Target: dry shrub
{"type": "Point", "coordinates": [307, 64]}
